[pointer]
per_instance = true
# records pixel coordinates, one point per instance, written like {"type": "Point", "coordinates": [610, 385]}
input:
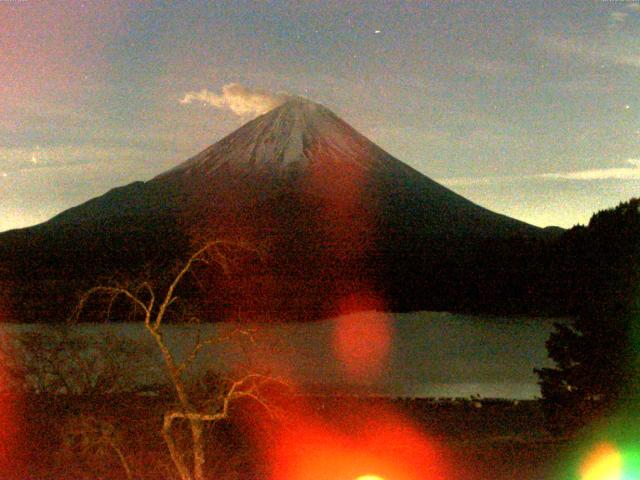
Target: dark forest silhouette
{"type": "Point", "coordinates": [596, 355]}
{"type": "Point", "coordinates": [562, 273]}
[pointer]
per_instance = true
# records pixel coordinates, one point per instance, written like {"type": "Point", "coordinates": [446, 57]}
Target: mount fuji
{"type": "Point", "coordinates": [337, 216]}
{"type": "Point", "coordinates": [299, 148]}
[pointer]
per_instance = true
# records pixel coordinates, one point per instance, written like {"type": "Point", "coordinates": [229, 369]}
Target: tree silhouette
{"type": "Point", "coordinates": [595, 353]}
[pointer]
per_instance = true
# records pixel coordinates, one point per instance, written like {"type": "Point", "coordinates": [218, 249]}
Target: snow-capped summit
{"type": "Point", "coordinates": [287, 138]}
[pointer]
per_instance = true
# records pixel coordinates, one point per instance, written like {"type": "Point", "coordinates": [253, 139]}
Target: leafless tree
{"type": "Point", "coordinates": [54, 367]}
{"type": "Point", "coordinates": [55, 360]}
{"type": "Point", "coordinates": [94, 439]}
{"type": "Point", "coordinates": [192, 409]}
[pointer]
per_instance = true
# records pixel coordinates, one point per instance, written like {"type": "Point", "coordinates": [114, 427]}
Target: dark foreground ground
{"type": "Point", "coordinates": [81, 438]}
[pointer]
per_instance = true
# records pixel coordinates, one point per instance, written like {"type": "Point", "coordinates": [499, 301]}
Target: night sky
{"type": "Point", "coordinates": [531, 109]}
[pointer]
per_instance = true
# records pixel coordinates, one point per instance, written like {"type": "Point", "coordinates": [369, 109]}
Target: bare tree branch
{"type": "Point", "coordinates": [144, 297]}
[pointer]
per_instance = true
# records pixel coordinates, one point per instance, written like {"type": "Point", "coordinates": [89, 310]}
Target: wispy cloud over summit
{"type": "Point", "coordinates": [241, 100]}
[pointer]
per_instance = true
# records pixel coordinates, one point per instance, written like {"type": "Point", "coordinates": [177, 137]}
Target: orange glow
{"type": "Point", "coordinates": [8, 433]}
{"type": "Point", "coordinates": [361, 340]}
{"type": "Point", "coordinates": [9, 424]}
{"type": "Point", "coordinates": [604, 463]}
{"type": "Point", "coordinates": [371, 445]}
{"type": "Point", "coordinates": [345, 219]}
{"type": "Point", "coordinates": [12, 427]}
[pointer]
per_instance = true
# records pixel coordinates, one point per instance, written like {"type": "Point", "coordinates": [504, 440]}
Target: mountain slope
{"type": "Point", "coordinates": [304, 147]}
{"type": "Point", "coordinates": [336, 214]}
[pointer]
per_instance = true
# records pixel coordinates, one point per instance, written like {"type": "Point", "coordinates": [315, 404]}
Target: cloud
{"type": "Point", "coordinates": [630, 60]}
{"type": "Point", "coordinates": [464, 181]}
{"type": "Point", "coordinates": [619, 17]}
{"type": "Point", "coordinates": [591, 51]}
{"type": "Point", "coordinates": [241, 100]}
{"type": "Point", "coordinates": [614, 173]}
{"type": "Point", "coordinates": [33, 159]}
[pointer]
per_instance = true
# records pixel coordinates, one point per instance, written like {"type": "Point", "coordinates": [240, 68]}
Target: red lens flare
{"type": "Point", "coordinates": [362, 336]}
{"type": "Point", "coordinates": [345, 217]}
{"type": "Point", "coordinates": [370, 445]}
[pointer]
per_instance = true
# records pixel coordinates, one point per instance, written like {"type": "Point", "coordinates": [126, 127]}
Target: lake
{"type": "Point", "coordinates": [425, 354]}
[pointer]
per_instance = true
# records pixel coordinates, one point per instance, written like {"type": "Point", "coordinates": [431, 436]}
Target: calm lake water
{"type": "Point", "coordinates": [416, 354]}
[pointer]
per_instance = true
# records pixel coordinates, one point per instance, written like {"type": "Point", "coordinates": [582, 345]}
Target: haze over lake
{"type": "Point", "coordinates": [429, 354]}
